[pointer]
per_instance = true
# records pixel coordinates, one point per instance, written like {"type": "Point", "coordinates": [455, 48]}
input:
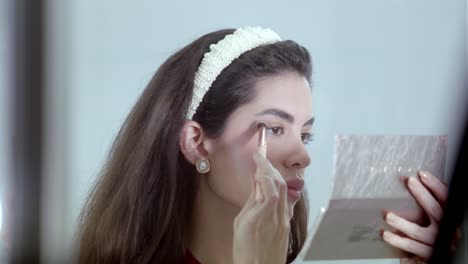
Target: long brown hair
{"type": "Point", "coordinates": [140, 208]}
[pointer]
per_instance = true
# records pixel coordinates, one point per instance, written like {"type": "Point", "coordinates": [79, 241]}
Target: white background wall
{"type": "Point", "coordinates": [393, 67]}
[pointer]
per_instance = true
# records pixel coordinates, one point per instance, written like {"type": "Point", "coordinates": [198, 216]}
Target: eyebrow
{"type": "Point", "coordinates": [283, 115]}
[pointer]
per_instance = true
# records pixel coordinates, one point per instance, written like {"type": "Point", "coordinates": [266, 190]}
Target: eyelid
{"type": "Point", "coordinates": [270, 125]}
{"type": "Point", "coordinates": [273, 124]}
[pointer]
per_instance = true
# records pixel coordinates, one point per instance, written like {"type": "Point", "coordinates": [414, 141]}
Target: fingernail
{"type": "Point", "coordinates": [386, 235]}
{"type": "Point", "coordinates": [390, 218]}
{"type": "Point", "coordinates": [411, 182]}
{"type": "Point", "coordinates": [424, 175]}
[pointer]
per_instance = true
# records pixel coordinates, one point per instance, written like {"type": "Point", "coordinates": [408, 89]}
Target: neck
{"type": "Point", "coordinates": [211, 235]}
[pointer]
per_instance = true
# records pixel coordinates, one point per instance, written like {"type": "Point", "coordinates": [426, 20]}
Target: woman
{"type": "Point", "coordinates": [185, 181]}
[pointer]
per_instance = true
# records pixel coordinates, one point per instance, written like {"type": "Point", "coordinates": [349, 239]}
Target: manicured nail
{"type": "Point", "coordinates": [386, 235]}
{"type": "Point", "coordinates": [390, 218]}
{"type": "Point", "coordinates": [412, 182]}
{"type": "Point", "coordinates": [424, 176]}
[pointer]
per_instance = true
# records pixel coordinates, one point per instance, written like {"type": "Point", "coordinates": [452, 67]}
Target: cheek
{"type": "Point", "coordinates": [231, 172]}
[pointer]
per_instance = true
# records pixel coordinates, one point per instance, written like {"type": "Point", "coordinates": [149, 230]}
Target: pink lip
{"type": "Point", "coordinates": [295, 187]}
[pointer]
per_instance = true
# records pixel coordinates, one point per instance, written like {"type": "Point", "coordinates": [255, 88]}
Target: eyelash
{"type": "Point", "coordinates": [309, 137]}
{"type": "Point", "coordinates": [306, 137]}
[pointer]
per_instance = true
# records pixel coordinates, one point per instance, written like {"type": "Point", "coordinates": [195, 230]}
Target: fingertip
{"type": "Point", "coordinates": [386, 235]}
{"type": "Point", "coordinates": [384, 213]}
{"type": "Point", "coordinates": [423, 174]}
{"type": "Point", "coordinates": [412, 182]}
{"type": "Point", "coordinates": [403, 179]}
{"type": "Point", "coordinates": [258, 193]}
{"type": "Point", "coordinates": [381, 231]}
{"type": "Point", "coordinates": [258, 198]}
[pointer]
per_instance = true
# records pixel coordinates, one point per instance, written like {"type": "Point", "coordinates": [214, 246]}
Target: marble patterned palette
{"type": "Point", "coordinates": [368, 178]}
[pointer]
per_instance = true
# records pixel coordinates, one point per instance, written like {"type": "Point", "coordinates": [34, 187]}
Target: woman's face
{"type": "Point", "coordinates": [284, 104]}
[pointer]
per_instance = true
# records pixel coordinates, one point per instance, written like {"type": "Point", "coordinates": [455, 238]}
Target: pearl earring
{"type": "Point", "coordinates": [203, 165]}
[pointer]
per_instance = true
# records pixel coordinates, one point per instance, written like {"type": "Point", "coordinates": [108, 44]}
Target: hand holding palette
{"type": "Point", "coordinates": [367, 179]}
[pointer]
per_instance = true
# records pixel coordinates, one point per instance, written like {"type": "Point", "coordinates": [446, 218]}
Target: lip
{"type": "Point", "coordinates": [295, 187]}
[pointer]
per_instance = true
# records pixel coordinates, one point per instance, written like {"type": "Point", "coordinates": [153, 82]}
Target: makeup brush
{"type": "Point", "coordinates": [262, 145]}
{"type": "Point", "coordinates": [262, 138]}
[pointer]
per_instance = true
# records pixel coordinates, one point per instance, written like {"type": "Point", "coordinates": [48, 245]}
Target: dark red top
{"type": "Point", "coordinates": [190, 259]}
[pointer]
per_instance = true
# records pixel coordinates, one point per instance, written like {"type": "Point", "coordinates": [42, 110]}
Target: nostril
{"type": "Point", "coordinates": [299, 165]}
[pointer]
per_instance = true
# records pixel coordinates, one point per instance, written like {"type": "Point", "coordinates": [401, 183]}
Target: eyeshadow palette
{"type": "Point", "coordinates": [368, 178]}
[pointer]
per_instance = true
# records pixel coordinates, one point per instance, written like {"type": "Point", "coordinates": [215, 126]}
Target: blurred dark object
{"type": "Point", "coordinates": [456, 206]}
{"type": "Point", "coordinates": [27, 91]}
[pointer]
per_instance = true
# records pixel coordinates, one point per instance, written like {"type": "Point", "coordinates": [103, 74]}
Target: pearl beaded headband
{"type": "Point", "coordinates": [222, 54]}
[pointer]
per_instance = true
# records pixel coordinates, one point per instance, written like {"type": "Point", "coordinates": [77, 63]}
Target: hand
{"type": "Point", "coordinates": [261, 229]}
{"type": "Point", "coordinates": [431, 194]}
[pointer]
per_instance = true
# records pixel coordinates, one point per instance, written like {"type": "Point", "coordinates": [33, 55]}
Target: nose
{"type": "Point", "coordinates": [298, 158]}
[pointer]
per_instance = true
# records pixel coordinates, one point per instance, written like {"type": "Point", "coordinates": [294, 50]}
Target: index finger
{"type": "Point", "coordinates": [263, 165]}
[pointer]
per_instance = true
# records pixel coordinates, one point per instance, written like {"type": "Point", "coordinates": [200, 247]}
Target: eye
{"type": "Point", "coordinates": [307, 137]}
{"type": "Point", "coordinates": [276, 131]}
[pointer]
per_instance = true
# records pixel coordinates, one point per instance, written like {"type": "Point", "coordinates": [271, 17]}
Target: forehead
{"type": "Point", "coordinates": [288, 91]}
{"type": "Point", "coordinates": [284, 87]}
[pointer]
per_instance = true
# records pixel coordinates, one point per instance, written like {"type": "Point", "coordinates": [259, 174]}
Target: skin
{"type": "Point", "coordinates": [227, 187]}
{"type": "Point", "coordinates": [431, 194]}
{"type": "Point", "coordinates": [231, 158]}
{"type": "Point", "coordinates": [229, 221]}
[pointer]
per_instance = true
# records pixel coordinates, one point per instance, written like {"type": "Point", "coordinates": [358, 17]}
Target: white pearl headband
{"type": "Point", "coordinates": [222, 54]}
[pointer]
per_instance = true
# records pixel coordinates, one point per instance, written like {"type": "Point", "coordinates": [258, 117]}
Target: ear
{"type": "Point", "coordinates": [193, 142]}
